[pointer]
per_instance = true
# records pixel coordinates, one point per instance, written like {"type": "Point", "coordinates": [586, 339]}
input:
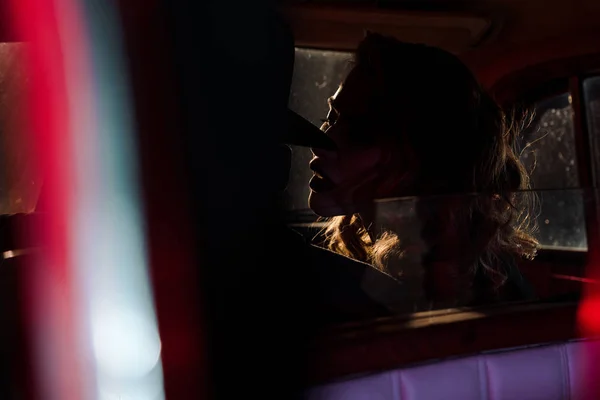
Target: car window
{"type": "Point", "coordinates": [548, 151]}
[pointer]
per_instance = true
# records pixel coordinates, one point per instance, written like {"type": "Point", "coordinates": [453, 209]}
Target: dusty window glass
{"type": "Point", "coordinates": [591, 92]}
{"type": "Point", "coordinates": [317, 75]}
{"type": "Point", "coordinates": [548, 152]}
{"type": "Point", "coordinates": [20, 181]}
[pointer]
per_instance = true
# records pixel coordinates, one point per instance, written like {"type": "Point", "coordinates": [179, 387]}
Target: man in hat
{"type": "Point", "coordinates": [266, 290]}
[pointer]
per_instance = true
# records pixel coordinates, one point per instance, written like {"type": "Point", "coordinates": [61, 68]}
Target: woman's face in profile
{"type": "Point", "coordinates": [350, 176]}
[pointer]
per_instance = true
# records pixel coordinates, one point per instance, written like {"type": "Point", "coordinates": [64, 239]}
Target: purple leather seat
{"type": "Point", "coordinates": [542, 372]}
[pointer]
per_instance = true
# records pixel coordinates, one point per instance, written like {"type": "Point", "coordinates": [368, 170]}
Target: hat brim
{"type": "Point", "coordinates": [301, 132]}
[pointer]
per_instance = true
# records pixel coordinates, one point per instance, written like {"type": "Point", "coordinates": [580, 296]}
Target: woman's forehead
{"type": "Point", "coordinates": [353, 95]}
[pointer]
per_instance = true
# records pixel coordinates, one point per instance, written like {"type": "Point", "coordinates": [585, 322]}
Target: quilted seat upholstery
{"type": "Point", "coordinates": [563, 371]}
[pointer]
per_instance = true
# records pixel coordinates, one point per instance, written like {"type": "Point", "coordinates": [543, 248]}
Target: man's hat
{"type": "Point", "coordinates": [301, 132]}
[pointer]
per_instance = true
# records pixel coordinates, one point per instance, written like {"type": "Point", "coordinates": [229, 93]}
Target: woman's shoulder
{"type": "Point", "coordinates": [515, 288]}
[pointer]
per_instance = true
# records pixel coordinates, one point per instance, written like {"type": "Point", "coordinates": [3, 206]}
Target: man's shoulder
{"type": "Point", "coordinates": [328, 261]}
{"type": "Point", "coordinates": [352, 288]}
{"type": "Point", "coordinates": [335, 258]}
{"type": "Point", "coordinates": [338, 261]}
{"type": "Point", "coordinates": [339, 264]}
{"type": "Point", "coordinates": [346, 271]}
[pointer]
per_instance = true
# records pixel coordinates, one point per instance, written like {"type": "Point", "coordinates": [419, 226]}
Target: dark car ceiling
{"type": "Point", "coordinates": [522, 32]}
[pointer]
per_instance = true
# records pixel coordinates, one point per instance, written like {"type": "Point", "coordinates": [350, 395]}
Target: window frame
{"type": "Point", "coordinates": [532, 84]}
{"type": "Point", "coordinates": [403, 341]}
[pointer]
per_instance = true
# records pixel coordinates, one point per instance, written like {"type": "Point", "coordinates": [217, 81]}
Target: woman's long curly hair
{"type": "Point", "coordinates": [475, 206]}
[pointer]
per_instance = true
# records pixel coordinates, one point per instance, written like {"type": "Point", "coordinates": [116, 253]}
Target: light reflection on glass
{"type": "Point", "coordinates": [118, 321]}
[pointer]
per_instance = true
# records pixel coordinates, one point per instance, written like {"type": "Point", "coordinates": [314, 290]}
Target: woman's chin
{"type": "Point", "coordinates": [324, 205]}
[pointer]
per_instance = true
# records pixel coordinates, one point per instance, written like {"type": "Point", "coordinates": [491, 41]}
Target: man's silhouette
{"type": "Point", "coordinates": [266, 291]}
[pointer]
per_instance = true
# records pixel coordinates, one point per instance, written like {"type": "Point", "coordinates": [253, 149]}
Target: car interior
{"type": "Point", "coordinates": [540, 56]}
